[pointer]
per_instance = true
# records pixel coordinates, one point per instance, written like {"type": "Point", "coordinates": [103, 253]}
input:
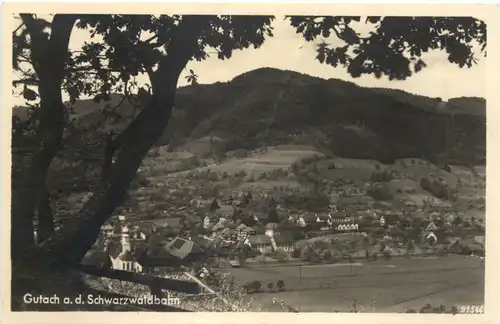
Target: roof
{"type": "Point", "coordinates": [283, 240]}
{"type": "Point", "coordinates": [338, 214]}
{"type": "Point", "coordinates": [309, 217]}
{"type": "Point", "coordinates": [241, 227]}
{"type": "Point", "coordinates": [181, 248]}
{"type": "Point", "coordinates": [203, 242]}
{"type": "Point", "coordinates": [271, 226]}
{"type": "Point", "coordinates": [480, 239]}
{"type": "Point", "coordinates": [396, 231]}
{"type": "Point", "coordinates": [127, 256]}
{"type": "Point", "coordinates": [218, 227]}
{"type": "Point", "coordinates": [259, 239]}
{"type": "Point", "coordinates": [470, 242]}
{"type": "Point", "coordinates": [170, 221]}
{"type": "Point", "coordinates": [229, 231]}
{"type": "Point", "coordinates": [146, 227]}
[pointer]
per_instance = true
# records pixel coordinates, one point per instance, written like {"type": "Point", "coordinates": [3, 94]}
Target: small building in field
{"type": "Point", "coordinates": [261, 243]}
{"type": "Point", "coordinates": [468, 246]}
{"type": "Point", "coordinates": [284, 244]}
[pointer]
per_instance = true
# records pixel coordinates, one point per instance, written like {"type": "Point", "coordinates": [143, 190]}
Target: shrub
{"type": "Point", "coordinates": [296, 253]}
{"type": "Point", "coordinates": [154, 152]}
{"type": "Point", "coordinates": [438, 188]}
{"type": "Point", "coordinates": [253, 286]}
{"type": "Point", "coordinates": [281, 285]}
{"type": "Point", "coordinates": [241, 174]}
{"type": "Point", "coordinates": [380, 192]}
{"type": "Point", "coordinates": [382, 176]}
{"type": "Point", "coordinates": [241, 153]}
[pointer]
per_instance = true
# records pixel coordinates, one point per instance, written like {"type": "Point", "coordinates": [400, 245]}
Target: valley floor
{"type": "Point", "coordinates": [382, 286]}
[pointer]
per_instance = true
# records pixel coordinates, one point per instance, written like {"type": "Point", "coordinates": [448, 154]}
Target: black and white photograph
{"type": "Point", "coordinates": [217, 162]}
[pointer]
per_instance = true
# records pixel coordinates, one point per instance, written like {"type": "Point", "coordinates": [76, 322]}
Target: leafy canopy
{"type": "Point", "coordinates": [394, 45]}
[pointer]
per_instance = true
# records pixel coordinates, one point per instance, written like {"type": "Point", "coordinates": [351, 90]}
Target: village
{"type": "Point", "coordinates": [228, 237]}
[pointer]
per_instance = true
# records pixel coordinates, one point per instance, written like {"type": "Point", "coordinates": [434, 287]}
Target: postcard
{"type": "Point", "coordinates": [280, 161]}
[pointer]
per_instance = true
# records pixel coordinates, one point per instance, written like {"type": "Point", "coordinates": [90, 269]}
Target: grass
{"type": "Point", "coordinates": [396, 285]}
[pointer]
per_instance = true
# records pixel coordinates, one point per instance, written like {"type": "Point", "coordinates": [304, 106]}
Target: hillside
{"type": "Point", "coordinates": [270, 107]}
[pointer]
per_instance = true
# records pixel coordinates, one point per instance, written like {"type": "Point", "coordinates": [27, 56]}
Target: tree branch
{"type": "Point", "coordinates": [18, 27]}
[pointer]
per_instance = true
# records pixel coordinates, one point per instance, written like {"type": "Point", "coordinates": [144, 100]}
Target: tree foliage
{"type": "Point", "coordinates": [394, 45]}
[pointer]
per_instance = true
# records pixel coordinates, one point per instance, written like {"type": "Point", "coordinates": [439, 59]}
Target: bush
{"type": "Point", "coordinates": [438, 188]}
{"type": "Point", "coordinates": [380, 192]}
{"type": "Point", "coordinates": [382, 176]}
{"type": "Point", "coordinates": [280, 285]}
{"type": "Point", "coordinates": [241, 153]}
{"type": "Point", "coordinates": [241, 174]}
{"type": "Point", "coordinates": [253, 286]}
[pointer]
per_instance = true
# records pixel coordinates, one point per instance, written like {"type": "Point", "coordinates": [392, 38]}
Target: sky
{"type": "Point", "coordinates": [288, 50]}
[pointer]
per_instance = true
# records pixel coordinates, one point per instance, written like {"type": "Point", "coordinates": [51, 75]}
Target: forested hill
{"type": "Point", "coordinates": [269, 106]}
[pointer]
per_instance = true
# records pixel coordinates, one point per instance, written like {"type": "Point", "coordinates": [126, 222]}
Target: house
{"type": "Point", "coordinates": [162, 255]}
{"type": "Point", "coordinates": [285, 244]}
{"type": "Point", "coordinates": [468, 246]}
{"type": "Point", "coordinates": [382, 221]}
{"type": "Point", "coordinates": [270, 229]}
{"type": "Point", "coordinates": [260, 242]}
{"type": "Point", "coordinates": [206, 222]}
{"type": "Point", "coordinates": [107, 230]}
{"type": "Point", "coordinates": [142, 230]}
{"type": "Point", "coordinates": [431, 227]}
{"type": "Point", "coordinates": [347, 227]}
{"type": "Point", "coordinates": [217, 229]}
{"type": "Point", "coordinates": [250, 231]}
{"type": "Point", "coordinates": [301, 221]}
{"type": "Point", "coordinates": [241, 228]}
{"type": "Point", "coordinates": [229, 234]}
{"type": "Point", "coordinates": [431, 237]}
{"type": "Point", "coordinates": [396, 234]}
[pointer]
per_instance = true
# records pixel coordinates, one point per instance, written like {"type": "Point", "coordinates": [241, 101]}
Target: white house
{"type": "Point", "coordinates": [260, 242]}
{"type": "Point", "coordinates": [431, 237]}
{"type": "Point", "coordinates": [206, 222]}
{"type": "Point", "coordinates": [107, 230]}
{"type": "Point", "coordinates": [347, 227]}
{"type": "Point", "coordinates": [301, 221]}
{"type": "Point", "coordinates": [431, 227]}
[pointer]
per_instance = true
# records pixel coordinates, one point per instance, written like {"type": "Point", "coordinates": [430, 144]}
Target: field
{"type": "Point", "coordinates": [396, 285]}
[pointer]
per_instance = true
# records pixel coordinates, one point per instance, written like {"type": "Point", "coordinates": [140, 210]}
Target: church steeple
{"type": "Point", "coordinates": [125, 240]}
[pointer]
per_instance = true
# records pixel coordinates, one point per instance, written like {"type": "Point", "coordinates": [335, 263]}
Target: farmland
{"type": "Point", "coordinates": [382, 286]}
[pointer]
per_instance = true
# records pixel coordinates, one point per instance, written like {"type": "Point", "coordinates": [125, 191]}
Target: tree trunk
{"type": "Point", "coordinates": [49, 59]}
{"type": "Point", "coordinates": [45, 216]}
{"type": "Point", "coordinates": [123, 171]}
{"type": "Point", "coordinates": [69, 245]}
